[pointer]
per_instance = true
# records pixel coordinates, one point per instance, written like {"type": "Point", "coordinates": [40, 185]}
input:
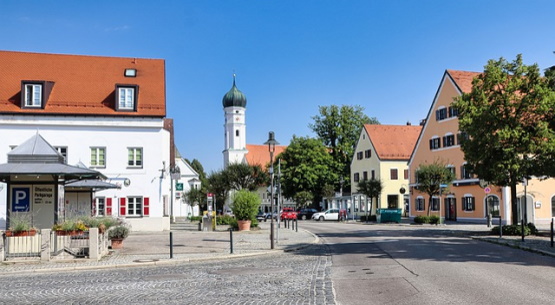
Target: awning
{"type": "Point", "coordinates": [91, 184]}
{"type": "Point", "coordinates": [68, 172]}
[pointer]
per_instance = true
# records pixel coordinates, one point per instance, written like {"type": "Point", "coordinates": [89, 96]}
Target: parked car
{"type": "Point", "coordinates": [331, 214]}
{"type": "Point", "coordinates": [261, 216]}
{"type": "Point", "coordinates": [288, 213]}
{"type": "Point", "coordinates": [306, 213]}
{"type": "Point", "coordinates": [269, 216]}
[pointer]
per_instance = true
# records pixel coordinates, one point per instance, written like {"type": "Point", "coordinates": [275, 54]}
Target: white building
{"type": "Point", "coordinates": [104, 112]}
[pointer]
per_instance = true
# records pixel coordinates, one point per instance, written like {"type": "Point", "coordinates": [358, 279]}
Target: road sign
{"type": "Point", "coordinates": [487, 189]}
{"type": "Point", "coordinates": [179, 186]}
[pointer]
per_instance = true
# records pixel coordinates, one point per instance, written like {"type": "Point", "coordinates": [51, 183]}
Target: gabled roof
{"type": "Point", "coordinates": [35, 150]}
{"type": "Point", "coordinates": [81, 85]}
{"type": "Point", "coordinates": [259, 154]}
{"type": "Point", "coordinates": [393, 142]}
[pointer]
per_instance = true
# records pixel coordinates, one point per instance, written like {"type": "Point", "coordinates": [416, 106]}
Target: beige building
{"type": "Point", "coordinates": [382, 152]}
{"type": "Point", "coordinates": [466, 200]}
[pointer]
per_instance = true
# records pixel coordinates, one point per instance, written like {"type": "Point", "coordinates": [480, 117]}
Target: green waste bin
{"type": "Point", "coordinates": [388, 215]}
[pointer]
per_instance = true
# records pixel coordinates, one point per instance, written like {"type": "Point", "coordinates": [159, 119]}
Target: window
{"type": "Point", "coordinates": [359, 155]}
{"type": "Point", "coordinates": [126, 98]}
{"type": "Point", "coordinates": [441, 114]}
{"type": "Point", "coordinates": [406, 174]}
{"type": "Point", "coordinates": [435, 143]}
{"type": "Point", "coordinates": [134, 206]}
{"type": "Point", "coordinates": [365, 175]}
{"type": "Point", "coordinates": [420, 204]}
{"type": "Point", "coordinates": [100, 206]}
{"type": "Point", "coordinates": [63, 151]}
{"type": "Point", "coordinates": [356, 178]}
{"type": "Point", "coordinates": [135, 157]}
{"type": "Point", "coordinates": [453, 112]}
{"type": "Point", "coordinates": [98, 157]}
{"type": "Point", "coordinates": [465, 172]}
{"type": "Point", "coordinates": [393, 174]}
{"type": "Point", "coordinates": [237, 132]}
{"type": "Point", "coordinates": [492, 205]}
{"type": "Point", "coordinates": [435, 204]}
{"type": "Point", "coordinates": [468, 203]}
{"type": "Point", "coordinates": [33, 95]}
{"type": "Point", "coordinates": [448, 140]}
{"type": "Point", "coordinates": [451, 168]}
{"type": "Point", "coordinates": [373, 174]}
{"type": "Point", "coordinates": [367, 153]}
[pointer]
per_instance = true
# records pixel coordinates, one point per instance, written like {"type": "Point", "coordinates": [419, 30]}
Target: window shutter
{"type": "Point", "coordinates": [431, 144]}
{"type": "Point", "coordinates": [108, 206]}
{"type": "Point", "coordinates": [473, 201]}
{"type": "Point", "coordinates": [122, 206]}
{"type": "Point", "coordinates": [146, 206]}
{"type": "Point", "coordinates": [437, 115]}
{"type": "Point", "coordinates": [445, 141]}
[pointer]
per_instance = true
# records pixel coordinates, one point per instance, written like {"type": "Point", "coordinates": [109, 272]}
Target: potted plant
{"type": "Point", "coordinates": [70, 227]}
{"type": "Point", "coordinates": [117, 234]}
{"type": "Point", "coordinates": [21, 224]}
{"type": "Point", "coordinates": [245, 208]}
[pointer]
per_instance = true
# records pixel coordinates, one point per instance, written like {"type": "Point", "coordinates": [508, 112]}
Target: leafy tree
{"type": "Point", "coordinates": [197, 166]}
{"type": "Point", "coordinates": [328, 192]}
{"type": "Point", "coordinates": [245, 176]}
{"type": "Point", "coordinates": [506, 118]}
{"type": "Point", "coordinates": [195, 196]}
{"type": "Point", "coordinates": [303, 199]}
{"type": "Point", "coordinates": [430, 177]}
{"type": "Point", "coordinates": [307, 166]}
{"type": "Point", "coordinates": [339, 129]}
{"type": "Point", "coordinates": [218, 184]}
{"type": "Point", "coordinates": [371, 189]}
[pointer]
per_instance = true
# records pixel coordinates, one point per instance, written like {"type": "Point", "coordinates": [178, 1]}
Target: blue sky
{"type": "Point", "coordinates": [290, 56]}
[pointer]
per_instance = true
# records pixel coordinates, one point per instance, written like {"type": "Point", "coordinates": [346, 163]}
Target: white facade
{"type": "Point", "coordinates": [144, 196]}
{"type": "Point", "coordinates": [235, 135]}
{"type": "Point", "coordinates": [189, 179]}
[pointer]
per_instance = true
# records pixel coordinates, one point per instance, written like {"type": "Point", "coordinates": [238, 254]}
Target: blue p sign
{"type": "Point", "coordinates": [21, 198]}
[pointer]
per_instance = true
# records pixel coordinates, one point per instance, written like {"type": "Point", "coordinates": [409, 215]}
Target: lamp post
{"type": "Point", "coordinates": [271, 148]}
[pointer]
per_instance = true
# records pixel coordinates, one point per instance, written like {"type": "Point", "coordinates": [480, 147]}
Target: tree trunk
{"type": "Point", "coordinates": [429, 206]}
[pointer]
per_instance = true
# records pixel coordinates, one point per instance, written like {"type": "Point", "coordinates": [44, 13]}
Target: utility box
{"type": "Point", "coordinates": [388, 215]}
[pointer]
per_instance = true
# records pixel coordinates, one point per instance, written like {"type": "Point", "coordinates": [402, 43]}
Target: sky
{"type": "Point", "coordinates": [290, 56]}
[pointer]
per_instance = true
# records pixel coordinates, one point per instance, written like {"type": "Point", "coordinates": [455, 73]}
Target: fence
{"type": "Point", "coordinates": [48, 245]}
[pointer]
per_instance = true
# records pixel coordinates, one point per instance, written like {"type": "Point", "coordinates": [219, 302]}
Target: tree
{"type": "Point", "coordinates": [339, 128]}
{"type": "Point", "coordinates": [371, 189]}
{"type": "Point", "coordinates": [430, 177]}
{"type": "Point", "coordinates": [307, 166]}
{"type": "Point", "coordinates": [245, 176]}
{"type": "Point", "coordinates": [195, 196]}
{"type": "Point", "coordinates": [218, 184]}
{"type": "Point", "coordinates": [506, 119]}
{"type": "Point", "coordinates": [303, 199]}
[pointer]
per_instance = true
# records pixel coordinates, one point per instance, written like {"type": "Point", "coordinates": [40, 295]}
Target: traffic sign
{"type": "Point", "coordinates": [179, 186]}
{"type": "Point", "coordinates": [487, 189]}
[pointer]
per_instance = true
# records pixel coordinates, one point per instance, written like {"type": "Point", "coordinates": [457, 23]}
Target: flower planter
{"type": "Point", "coordinates": [244, 225]}
{"type": "Point", "coordinates": [69, 233]}
{"type": "Point", "coordinates": [21, 233]}
{"type": "Point", "coordinates": [117, 243]}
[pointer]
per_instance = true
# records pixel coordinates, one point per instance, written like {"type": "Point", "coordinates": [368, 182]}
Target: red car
{"type": "Point", "coordinates": [288, 213]}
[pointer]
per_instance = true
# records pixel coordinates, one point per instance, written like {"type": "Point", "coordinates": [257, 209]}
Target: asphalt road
{"type": "Point", "coordinates": [385, 264]}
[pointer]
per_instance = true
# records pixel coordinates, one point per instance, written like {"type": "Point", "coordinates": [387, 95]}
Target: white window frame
{"type": "Point", "coordinates": [420, 204]}
{"type": "Point", "coordinates": [100, 206]}
{"type": "Point", "coordinates": [96, 150]}
{"type": "Point", "coordinates": [132, 157]}
{"type": "Point", "coordinates": [435, 204]}
{"type": "Point", "coordinates": [35, 100]}
{"type": "Point", "coordinates": [469, 203]}
{"type": "Point", "coordinates": [134, 206]}
{"type": "Point", "coordinates": [126, 98]}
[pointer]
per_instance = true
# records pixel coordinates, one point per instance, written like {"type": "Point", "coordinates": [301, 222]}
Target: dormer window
{"type": "Point", "coordinates": [126, 97]}
{"type": "Point", "coordinates": [35, 93]}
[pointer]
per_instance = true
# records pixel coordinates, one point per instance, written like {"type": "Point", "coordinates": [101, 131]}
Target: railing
{"type": "Point", "coordinates": [48, 245]}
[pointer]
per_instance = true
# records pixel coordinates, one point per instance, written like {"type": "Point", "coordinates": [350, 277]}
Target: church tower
{"type": "Point", "coordinates": [235, 145]}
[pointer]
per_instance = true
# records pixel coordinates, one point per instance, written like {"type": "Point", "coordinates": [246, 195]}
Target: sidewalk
{"type": "Point", "coordinates": [153, 248]}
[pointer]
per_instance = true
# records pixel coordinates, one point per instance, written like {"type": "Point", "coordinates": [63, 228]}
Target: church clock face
{"type": "Point", "coordinates": [237, 119]}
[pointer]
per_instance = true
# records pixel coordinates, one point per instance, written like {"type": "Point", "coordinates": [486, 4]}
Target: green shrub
{"type": "Point", "coordinates": [245, 205]}
{"type": "Point", "coordinates": [421, 219]}
{"type": "Point", "coordinates": [433, 219]}
{"type": "Point", "coordinates": [196, 218]}
{"type": "Point", "coordinates": [224, 220]}
{"type": "Point", "coordinates": [512, 230]}
{"type": "Point", "coordinates": [118, 232]}
{"type": "Point", "coordinates": [533, 229]}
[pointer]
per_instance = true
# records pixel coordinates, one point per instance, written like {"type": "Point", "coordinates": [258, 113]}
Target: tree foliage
{"type": "Point", "coordinates": [430, 177]}
{"type": "Point", "coordinates": [306, 166]}
{"type": "Point", "coordinates": [339, 128]}
{"type": "Point", "coordinates": [506, 118]}
{"type": "Point", "coordinates": [218, 184]}
{"type": "Point", "coordinates": [303, 199]}
{"type": "Point", "coordinates": [370, 188]}
{"type": "Point", "coordinates": [245, 176]}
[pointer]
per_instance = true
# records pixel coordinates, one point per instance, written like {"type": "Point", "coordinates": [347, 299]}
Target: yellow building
{"type": "Point", "coordinates": [382, 152]}
{"type": "Point", "coordinates": [466, 199]}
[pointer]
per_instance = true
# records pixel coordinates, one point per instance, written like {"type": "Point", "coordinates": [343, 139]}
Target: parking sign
{"type": "Point", "coordinates": [21, 199]}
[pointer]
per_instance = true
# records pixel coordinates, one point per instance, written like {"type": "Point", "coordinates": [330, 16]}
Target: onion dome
{"type": "Point", "coordinates": [234, 97]}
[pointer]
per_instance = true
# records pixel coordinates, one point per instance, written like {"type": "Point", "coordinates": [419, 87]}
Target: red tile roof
{"type": "Point", "coordinates": [83, 85]}
{"type": "Point", "coordinates": [393, 142]}
{"type": "Point", "coordinates": [259, 154]}
{"type": "Point", "coordinates": [463, 79]}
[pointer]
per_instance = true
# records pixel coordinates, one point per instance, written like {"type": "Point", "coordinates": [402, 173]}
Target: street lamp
{"type": "Point", "coordinates": [271, 148]}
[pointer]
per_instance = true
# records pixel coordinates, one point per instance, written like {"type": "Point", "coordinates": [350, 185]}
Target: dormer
{"type": "Point", "coordinates": [35, 93]}
{"type": "Point", "coordinates": [126, 97]}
